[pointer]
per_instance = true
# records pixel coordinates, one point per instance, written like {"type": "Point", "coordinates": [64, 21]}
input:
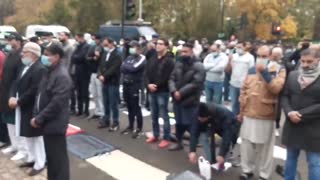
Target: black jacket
{"type": "Point", "coordinates": [187, 78]}
{"type": "Point", "coordinates": [110, 68]}
{"type": "Point", "coordinates": [93, 64]}
{"type": "Point", "coordinates": [133, 70]}
{"type": "Point", "coordinates": [10, 71]}
{"type": "Point", "coordinates": [158, 72]}
{"type": "Point", "coordinates": [27, 87]}
{"type": "Point", "coordinates": [222, 122]}
{"type": "Point", "coordinates": [79, 58]}
{"type": "Point", "coordinates": [305, 135]}
{"type": "Point", "coordinates": [52, 108]}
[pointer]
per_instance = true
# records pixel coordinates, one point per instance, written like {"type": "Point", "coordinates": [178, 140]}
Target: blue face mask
{"type": "Point", "coordinates": [8, 48]}
{"type": "Point", "coordinates": [106, 49]}
{"type": "Point", "coordinates": [45, 61]}
{"type": "Point", "coordinates": [26, 61]}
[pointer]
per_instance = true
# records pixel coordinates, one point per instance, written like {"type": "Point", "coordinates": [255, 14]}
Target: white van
{"type": "Point", "coordinates": [7, 29]}
{"type": "Point", "coordinates": [38, 30]}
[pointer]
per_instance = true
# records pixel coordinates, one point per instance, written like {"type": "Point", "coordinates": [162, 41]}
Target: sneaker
{"type": "Point", "coordinates": [136, 134]}
{"type": "Point", "coordinates": [277, 133]}
{"type": "Point", "coordinates": [114, 128]}
{"type": "Point", "coordinates": [2, 144]}
{"type": "Point", "coordinates": [152, 139]}
{"type": "Point", "coordinates": [8, 150]}
{"type": "Point", "coordinates": [18, 156]}
{"type": "Point", "coordinates": [246, 176]}
{"type": "Point", "coordinates": [176, 147]}
{"type": "Point", "coordinates": [126, 131]}
{"type": "Point", "coordinates": [164, 144]}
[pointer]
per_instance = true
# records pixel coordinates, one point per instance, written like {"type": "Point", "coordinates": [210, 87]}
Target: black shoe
{"type": "Point", "coordinates": [246, 176]}
{"type": "Point", "coordinates": [126, 131]}
{"type": "Point", "coordinates": [114, 128]}
{"type": "Point", "coordinates": [93, 117]}
{"type": "Point", "coordinates": [34, 172]}
{"type": "Point", "coordinates": [261, 178]}
{"type": "Point", "coordinates": [87, 114]}
{"type": "Point", "coordinates": [79, 114]}
{"type": "Point", "coordinates": [102, 125]}
{"type": "Point", "coordinates": [136, 134]}
{"type": "Point", "coordinates": [176, 147]}
{"type": "Point", "coordinates": [26, 165]}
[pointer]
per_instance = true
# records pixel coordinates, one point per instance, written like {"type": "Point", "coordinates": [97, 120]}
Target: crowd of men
{"type": "Point", "coordinates": [39, 78]}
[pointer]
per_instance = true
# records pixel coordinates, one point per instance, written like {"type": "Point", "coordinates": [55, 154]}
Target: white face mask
{"type": "Point", "coordinates": [262, 61]}
{"type": "Point", "coordinates": [240, 51]}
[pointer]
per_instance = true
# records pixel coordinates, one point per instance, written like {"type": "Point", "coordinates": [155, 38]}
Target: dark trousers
{"type": "Point", "coordinates": [73, 94]}
{"type": "Point", "coordinates": [57, 157]}
{"type": "Point", "coordinates": [181, 129]}
{"type": "Point", "coordinates": [226, 86]}
{"type": "Point", "coordinates": [82, 85]}
{"type": "Point", "coordinates": [111, 103]}
{"type": "Point", "coordinates": [131, 97]}
{"type": "Point", "coordinates": [4, 137]}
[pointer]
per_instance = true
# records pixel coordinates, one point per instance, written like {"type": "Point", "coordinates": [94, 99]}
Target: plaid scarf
{"type": "Point", "coordinates": [307, 77]}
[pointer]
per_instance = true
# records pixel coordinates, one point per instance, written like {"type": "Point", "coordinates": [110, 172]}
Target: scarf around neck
{"type": "Point", "coordinates": [306, 78]}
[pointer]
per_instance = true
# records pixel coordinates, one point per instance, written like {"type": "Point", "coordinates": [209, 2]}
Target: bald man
{"type": "Point", "coordinates": [258, 99]}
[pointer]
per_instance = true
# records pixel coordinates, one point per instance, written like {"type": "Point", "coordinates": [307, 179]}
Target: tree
{"type": "Point", "coordinates": [6, 9]}
{"type": "Point", "coordinates": [59, 14]}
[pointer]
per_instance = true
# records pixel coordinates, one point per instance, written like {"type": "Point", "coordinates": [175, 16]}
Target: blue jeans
{"type": "Point", "coordinates": [159, 108]}
{"type": "Point", "coordinates": [226, 86]}
{"type": "Point", "coordinates": [204, 141]}
{"type": "Point", "coordinates": [214, 91]}
{"type": "Point", "coordinates": [235, 104]}
{"type": "Point", "coordinates": [292, 162]}
{"type": "Point", "coordinates": [111, 102]}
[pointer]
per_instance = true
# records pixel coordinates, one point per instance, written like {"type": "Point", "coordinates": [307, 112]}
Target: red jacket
{"type": "Point", "coordinates": [2, 59]}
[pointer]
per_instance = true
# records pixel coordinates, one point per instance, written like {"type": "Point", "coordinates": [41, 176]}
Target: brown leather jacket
{"type": "Point", "coordinates": [259, 94]}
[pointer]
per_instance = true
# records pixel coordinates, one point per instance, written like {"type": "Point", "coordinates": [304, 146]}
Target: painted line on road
{"type": "Point", "coordinates": [122, 166]}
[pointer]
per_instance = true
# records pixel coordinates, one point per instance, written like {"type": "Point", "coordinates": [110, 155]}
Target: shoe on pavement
{"type": "Point", "coordinates": [114, 128]}
{"type": "Point", "coordinates": [27, 165]}
{"type": "Point", "coordinates": [8, 150]}
{"type": "Point", "coordinates": [35, 172]}
{"type": "Point", "coordinates": [18, 156]}
{"type": "Point", "coordinates": [164, 144]}
{"type": "Point", "coordinates": [126, 131]}
{"type": "Point", "coordinates": [136, 133]}
{"type": "Point", "coordinates": [246, 176]}
{"type": "Point", "coordinates": [102, 126]}
{"type": "Point", "coordinates": [175, 147]}
{"type": "Point", "coordinates": [152, 140]}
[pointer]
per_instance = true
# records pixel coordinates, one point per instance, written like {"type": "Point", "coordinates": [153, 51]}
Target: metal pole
{"type": "Point", "coordinates": [122, 19]}
{"type": "Point", "coordinates": [222, 15]}
{"type": "Point", "coordinates": [140, 10]}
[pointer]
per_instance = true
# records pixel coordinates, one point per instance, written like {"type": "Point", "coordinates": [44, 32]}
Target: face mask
{"type": "Point", "coordinates": [26, 61]}
{"type": "Point", "coordinates": [8, 48]}
{"type": "Point", "coordinates": [262, 61]}
{"type": "Point", "coordinates": [106, 49]}
{"type": "Point", "coordinates": [185, 58]}
{"type": "Point", "coordinates": [132, 51]}
{"type": "Point", "coordinates": [45, 61]}
{"type": "Point", "coordinates": [46, 41]}
{"type": "Point", "coordinates": [240, 52]}
{"type": "Point", "coordinates": [121, 43]}
{"type": "Point", "coordinates": [93, 43]}
{"type": "Point", "coordinates": [214, 54]}
{"type": "Point", "coordinates": [77, 43]}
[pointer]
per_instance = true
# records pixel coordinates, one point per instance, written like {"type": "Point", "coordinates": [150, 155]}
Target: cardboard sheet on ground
{"type": "Point", "coordinates": [123, 167]}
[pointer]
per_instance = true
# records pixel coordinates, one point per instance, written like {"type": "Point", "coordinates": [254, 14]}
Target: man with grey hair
{"type": "Point", "coordinates": [300, 102]}
{"type": "Point", "coordinates": [258, 100]}
{"type": "Point", "coordinates": [23, 95]}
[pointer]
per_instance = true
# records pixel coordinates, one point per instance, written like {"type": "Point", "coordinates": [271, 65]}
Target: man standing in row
{"type": "Point", "coordinates": [186, 85]}
{"type": "Point", "coordinates": [52, 114]}
{"type": "Point", "coordinates": [82, 74]}
{"type": "Point", "coordinates": [10, 72]}
{"type": "Point", "coordinates": [23, 100]}
{"type": "Point", "coordinates": [109, 75]}
{"type": "Point", "coordinates": [157, 77]}
{"type": "Point", "coordinates": [258, 99]}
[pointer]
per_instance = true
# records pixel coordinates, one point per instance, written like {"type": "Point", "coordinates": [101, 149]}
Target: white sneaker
{"type": "Point", "coordinates": [18, 156]}
{"type": "Point", "coordinates": [2, 144]}
{"type": "Point", "coordinates": [8, 150]}
{"type": "Point", "coordinates": [277, 133]}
